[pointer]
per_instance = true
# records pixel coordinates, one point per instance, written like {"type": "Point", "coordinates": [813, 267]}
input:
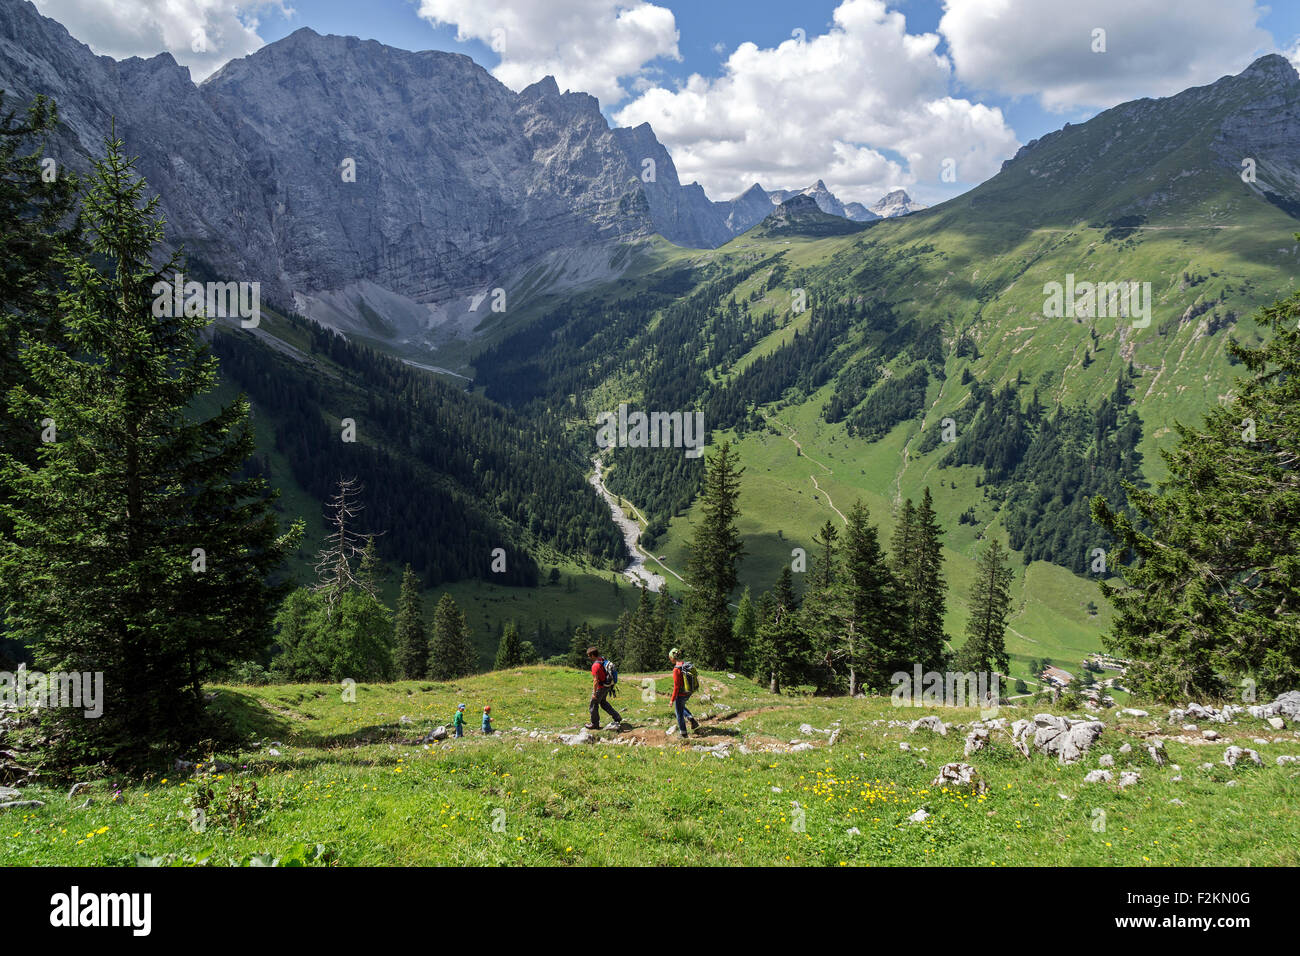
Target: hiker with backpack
{"type": "Point", "coordinates": [686, 681]}
{"type": "Point", "coordinates": [604, 677]}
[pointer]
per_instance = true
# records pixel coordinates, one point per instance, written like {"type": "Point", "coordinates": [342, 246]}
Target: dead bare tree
{"type": "Point", "coordinates": [334, 569]}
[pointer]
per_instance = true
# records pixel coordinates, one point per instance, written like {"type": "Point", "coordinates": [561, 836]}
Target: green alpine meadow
{"type": "Point", "coordinates": [469, 444]}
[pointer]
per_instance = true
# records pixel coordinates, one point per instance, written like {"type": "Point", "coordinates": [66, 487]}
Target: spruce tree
{"type": "Point", "coordinates": [412, 644]}
{"type": "Point", "coordinates": [930, 600]}
{"type": "Point", "coordinates": [1213, 598]}
{"type": "Point", "coordinates": [916, 558]}
{"type": "Point", "coordinates": [662, 627]}
{"type": "Point", "coordinates": [583, 638]}
{"type": "Point", "coordinates": [451, 654]}
{"type": "Point", "coordinates": [509, 652]}
{"type": "Point", "coordinates": [824, 567]}
{"type": "Point", "coordinates": [781, 649]}
{"type": "Point", "coordinates": [38, 231]}
{"type": "Point", "coordinates": [990, 605]}
{"type": "Point", "coordinates": [639, 640]}
{"type": "Point", "coordinates": [356, 636]}
{"type": "Point", "coordinates": [38, 227]}
{"type": "Point", "coordinates": [784, 594]}
{"type": "Point", "coordinates": [826, 617]}
{"type": "Point", "coordinates": [877, 603]}
{"type": "Point", "coordinates": [135, 550]}
{"type": "Point", "coordinates": [716, 550]}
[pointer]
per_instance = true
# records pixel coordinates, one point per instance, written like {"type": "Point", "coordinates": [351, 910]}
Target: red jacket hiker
{"type": "Point", "coordinates": [599, 692]}
{"type": "Point", "coordinates": [679, 686]}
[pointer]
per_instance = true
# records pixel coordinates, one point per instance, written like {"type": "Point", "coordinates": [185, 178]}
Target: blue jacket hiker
{"type": "Point", "coordinates": [487, 720]}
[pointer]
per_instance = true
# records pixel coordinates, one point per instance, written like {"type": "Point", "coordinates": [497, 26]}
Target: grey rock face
{"type": "Point", "coordinates": [681, 214]}
{"type": "Point", "coordinates": [459, 182]}
{"type": "Point", "coordinates": [1067, 739]}
{"type": "Point", "coordinates": [745, 211]}
{"type": "Point", "coordinates": [895, 203]}
{"type": "Point", "coordinates": [825, 199]}
{"type": "Point", "coordinates": [1287, 705]}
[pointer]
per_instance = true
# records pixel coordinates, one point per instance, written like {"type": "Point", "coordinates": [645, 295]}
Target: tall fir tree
{"type": "Point", "coordinates": [451, 653]}
{"type": "Point", "coordinates": [1212, 598]}
{"type": "Point", "coordinates": [134, 550]}
{"type": "Point", "coordinates": [663, 627]}
{"type": "Point", "coordinates": [509, 651]}
{"type": "Point", "coordinates": [916, 558]}
{"type": "Point", "coordinates": [716, 552]}
{"type": "Point", "coordinates": [780, 647]}
{"type": "Point", "coordinates": [824, 567]}
{"type": "Point", "coordinates": [784, 593]}
{"type": "Point", "coordinates": [990, 606]}
{"type": "Point", "coordinates": [639, 640]}
{"type": "Point", "coordinates": [39, 230]}
{"type": "Point", "coordinates": [931, 599]}
{"type": "Point", "coordinates": [826, 617]}
{"type": "Point", "coordinates": [410, 636]}
{"type": "Point", "coordinates": [583, 638]}
{"type": "Point", "coordinates": [877, 602]}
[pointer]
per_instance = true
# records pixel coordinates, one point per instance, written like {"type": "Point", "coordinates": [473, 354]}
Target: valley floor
{"type": "Point", "coordinates": [353, 779]}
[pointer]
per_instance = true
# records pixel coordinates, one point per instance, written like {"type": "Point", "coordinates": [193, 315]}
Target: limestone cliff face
{"type": "Point", "coordinates": [321, 164]}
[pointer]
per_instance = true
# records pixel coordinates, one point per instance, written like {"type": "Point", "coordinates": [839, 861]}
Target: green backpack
{"type": "Point", "coordinates": [690, 678]}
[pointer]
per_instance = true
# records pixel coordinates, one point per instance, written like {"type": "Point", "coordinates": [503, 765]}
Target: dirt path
{"type": "Point", "coordinates": [907, 446]}
{"type": "Point", "coordinates": [812, 478]}
{"type": "Point", "coordinates": [828, 499]}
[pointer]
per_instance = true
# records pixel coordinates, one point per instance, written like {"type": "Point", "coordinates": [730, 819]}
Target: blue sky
{"type": "Point", "coordinates": [865, 94]}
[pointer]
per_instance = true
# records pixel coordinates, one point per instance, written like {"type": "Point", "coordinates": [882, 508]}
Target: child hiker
{"type": "Point", "coordinates": [458, 721]}
{"type": "Point", "coordinates": [487, 720]}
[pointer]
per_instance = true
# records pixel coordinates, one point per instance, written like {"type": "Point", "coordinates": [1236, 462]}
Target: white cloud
{"type": "Point", "coordinates": [200, 34]}
{"type": "Point", "coordinates": [864, 106]}
{"type": "Point", "coordinates": [1152, 48]}
{"type": "Point", "coordinates": [587, 45]}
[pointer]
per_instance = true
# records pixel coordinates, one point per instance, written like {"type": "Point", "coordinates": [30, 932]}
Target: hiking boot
{"type": "Point", "coordinates": [591, 726]}
{"type": "Point", "coordinates": [695, 724]}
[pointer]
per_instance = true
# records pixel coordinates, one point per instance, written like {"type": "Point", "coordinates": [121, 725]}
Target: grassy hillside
{"type": "Point", "coordinates": [350, 778]}
{"type": "Point", "coordinates": [1148, 193]}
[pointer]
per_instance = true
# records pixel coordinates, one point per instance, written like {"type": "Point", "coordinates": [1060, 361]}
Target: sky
{"type": "Point", "coordinates": [867, 95]}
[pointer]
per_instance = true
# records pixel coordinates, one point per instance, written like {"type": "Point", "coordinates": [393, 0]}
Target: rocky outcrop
{"type": "Point", "coordinates": [1068, 740]}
